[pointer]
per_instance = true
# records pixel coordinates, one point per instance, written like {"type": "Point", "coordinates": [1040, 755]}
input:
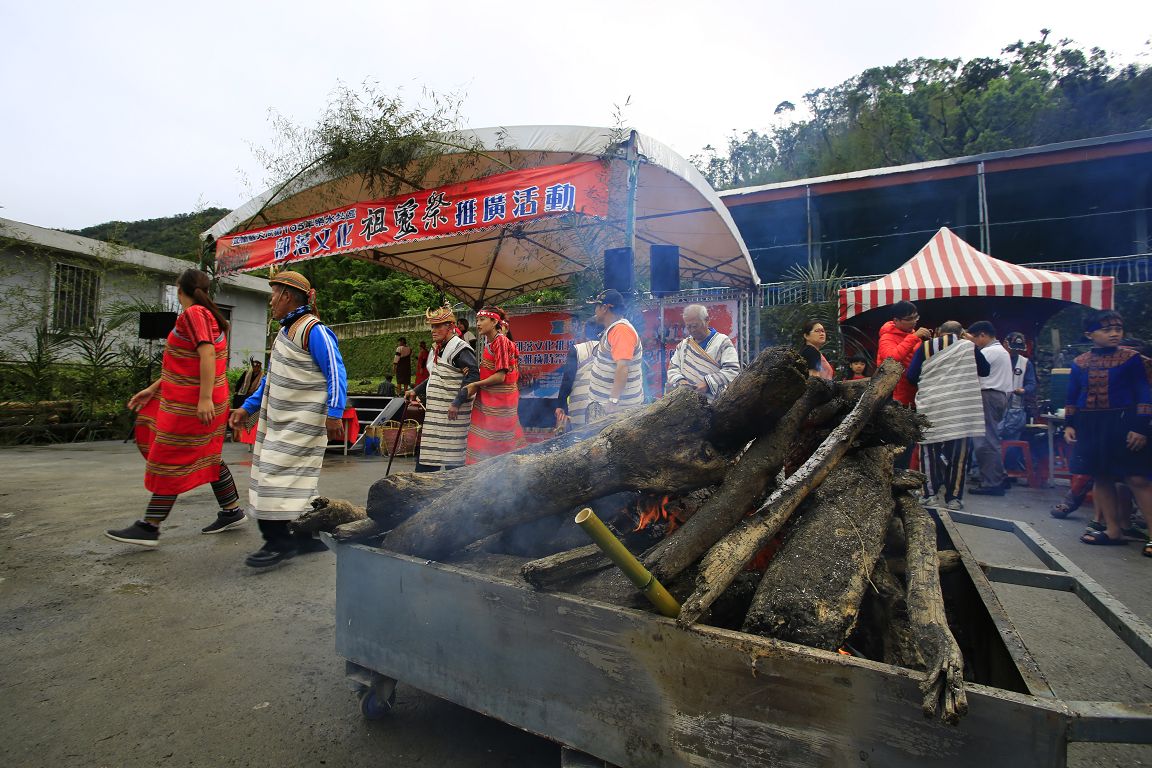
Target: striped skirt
{"type": "Point", "coordinates": [495, 425]}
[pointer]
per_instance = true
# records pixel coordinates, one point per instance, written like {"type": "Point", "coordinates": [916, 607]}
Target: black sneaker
{"type": "Point", "coordinates": [988, 490]}
{"type": "Point", "coordinates": [270, 555]}
{"type": "Point", "coordinates": [225, 520]}
{"type": "Point", "coordinates": [139, 533]}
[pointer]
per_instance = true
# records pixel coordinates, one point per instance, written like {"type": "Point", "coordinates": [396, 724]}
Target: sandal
{"type": "Point", "coordinates": [1062, 510]}
{"type": "Point", "coordinates": [1095, 525]}
{"type": "Point", "coordinates": [1147, 549]}
{"type": "Point", "coordinates": [1102, 538]}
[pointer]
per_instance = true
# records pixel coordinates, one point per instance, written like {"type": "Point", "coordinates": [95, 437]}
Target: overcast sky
{"type": "Point", "coordinates": [127, 110]}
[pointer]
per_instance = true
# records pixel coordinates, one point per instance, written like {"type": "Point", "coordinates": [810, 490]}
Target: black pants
{"type": "Point", "coordinates": [276, 533]}
{"type": "Point", "coordinates": [946, 465]}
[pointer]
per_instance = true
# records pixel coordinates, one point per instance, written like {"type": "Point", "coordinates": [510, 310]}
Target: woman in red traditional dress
{"type": "Point", "coordinates": [495, 427]}
{"type": "Point", "coordinates": [187, 409]}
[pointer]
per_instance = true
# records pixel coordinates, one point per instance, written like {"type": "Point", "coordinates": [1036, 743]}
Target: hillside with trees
{"type": "Point", "coordinates": [917, 110]}
{"type": "Point", "coordinates": [177, 236]}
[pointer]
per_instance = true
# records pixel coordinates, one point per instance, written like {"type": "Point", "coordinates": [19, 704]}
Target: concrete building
{"type": "Point", "coordinates": [66, 281]}
{"type": "Point", "coordinates": [1079, 206]}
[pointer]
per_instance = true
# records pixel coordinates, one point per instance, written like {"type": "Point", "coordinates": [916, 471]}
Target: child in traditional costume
{"type": "Point", "coordinates": [1109, 418]}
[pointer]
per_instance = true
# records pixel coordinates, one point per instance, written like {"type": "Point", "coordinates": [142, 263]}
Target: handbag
{"type": "Point", "coordinates": [1015, 417]}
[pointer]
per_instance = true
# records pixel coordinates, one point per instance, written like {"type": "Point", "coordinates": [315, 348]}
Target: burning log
{"type": "Point", "coordinates": [743, 489]}
{"type": "Point", "coordinates": [394, 499]}
{"type": "Point", "coordinates": [656, 516]}
{"type": "Point", "coordinates": [720, 566]}
{"type": "Point", "coordinates": [514, 488]}
{"type": "Point", "coordinates": [943, 685]}
{"type": "Point", "coordinates": [812, 589]}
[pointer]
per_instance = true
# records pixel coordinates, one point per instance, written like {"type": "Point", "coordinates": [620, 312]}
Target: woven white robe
{"type": "Point", "coordinates": [603, 374]}
{"type": "Point", "coordinates": [291, 435]}
{"type": "Point", "coordinates": [715, 364]}
{"type": "Point", "coordinates": [443, 440]}
{"type": "Point", "coordinates": [949, 390]}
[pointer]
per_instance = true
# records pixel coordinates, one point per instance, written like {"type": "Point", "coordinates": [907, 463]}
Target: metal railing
{"type": "Point", "coordinates": [1136, 268]}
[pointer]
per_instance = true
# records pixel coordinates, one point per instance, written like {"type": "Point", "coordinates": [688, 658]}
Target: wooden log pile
{"type": "Point", "coordinates": [788, 515]}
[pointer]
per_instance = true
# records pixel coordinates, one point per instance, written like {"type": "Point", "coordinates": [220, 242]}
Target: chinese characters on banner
{"type": "Point", "coordinates": [455, 209]}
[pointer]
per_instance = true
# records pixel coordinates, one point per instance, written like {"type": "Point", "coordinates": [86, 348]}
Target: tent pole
{"type": "Point", "coordinates": [982, 204]}
{"type": "Point", "coordinates": [633, 159]}
{"type": "Point", "coordinates": [663, 351]}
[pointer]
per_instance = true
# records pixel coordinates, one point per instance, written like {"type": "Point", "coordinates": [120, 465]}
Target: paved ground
{"type": "Point", "coordinates": [117, 656]}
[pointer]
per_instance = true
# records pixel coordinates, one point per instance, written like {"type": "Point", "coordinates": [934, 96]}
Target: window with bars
{"type": "Point", "coordinates": [171, 301]}
{"type": "Point", "coordinates": [75, 297]}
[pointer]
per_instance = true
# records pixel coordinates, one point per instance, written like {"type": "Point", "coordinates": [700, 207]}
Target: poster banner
{"type": "Point", "coordinates": [448, 211]}
{"type": "Point", "coordinates": [543, 340]}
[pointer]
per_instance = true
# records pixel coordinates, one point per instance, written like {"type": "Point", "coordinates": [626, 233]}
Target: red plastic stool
{"type": "Point", "coordinates": [1027, 473]}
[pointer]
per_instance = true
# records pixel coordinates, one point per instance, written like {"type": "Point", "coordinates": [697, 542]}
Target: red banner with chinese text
{"type": "Point", "coordinates": [447, 211]}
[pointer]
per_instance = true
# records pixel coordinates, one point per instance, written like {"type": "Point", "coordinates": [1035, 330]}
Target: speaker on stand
{"type": "Point", "coordinates": [153, 325]}
{"type": "Point", "coordinates": [664, 261]}
{"type": "Point", "coordinates": [664, 269]}
{"type": "Point", "coordinates": [619, 271]}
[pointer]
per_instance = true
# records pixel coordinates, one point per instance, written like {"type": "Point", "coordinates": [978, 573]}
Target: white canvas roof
{"type": "Point", "coordinates": [675, 205]}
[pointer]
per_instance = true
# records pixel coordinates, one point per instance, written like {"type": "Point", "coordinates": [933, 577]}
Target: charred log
{"type": "Point", "coordinates": [515, 488]}
{"type": "Point", "coordinates": [757, 398]}
{"type": "Point", "coordinates": [812, 589]}
{"type": "Point", "coordinates": [743, 490]}
{"type": "Point", "coordinates": [326, 514]}
{"type": "Point", "coordinates": [943, 685]}
{"type": "Point", "coordinates": [720, 566]}
{"type": "Point", "coordinates": [394, 499]}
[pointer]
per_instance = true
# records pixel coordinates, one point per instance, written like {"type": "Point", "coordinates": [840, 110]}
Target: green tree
{"type": "Point", "coordinates": [1034, 93]}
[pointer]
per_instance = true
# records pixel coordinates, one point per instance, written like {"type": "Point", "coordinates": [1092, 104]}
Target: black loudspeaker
{"type": "Point", "coordinates": [618, 269]}
{"type": "Point", "coordinates": [664, 261]}
{"type": "Point", "coordinates": [156, 325]}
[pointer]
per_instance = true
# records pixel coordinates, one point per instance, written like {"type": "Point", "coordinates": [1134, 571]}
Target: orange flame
{"type": "Point", "coordinates": [843, 652]}
{"type": "Point", "coordinates": [652, 511]}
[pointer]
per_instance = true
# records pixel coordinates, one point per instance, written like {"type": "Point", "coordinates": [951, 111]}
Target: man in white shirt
{"type": "Point", "coordinates": [994, 390]}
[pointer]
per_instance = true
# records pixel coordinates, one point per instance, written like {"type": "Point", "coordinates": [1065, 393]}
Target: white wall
{"type": "Point", "coordinates": [249, 324]}
{"type": "Point", "coordinates": [26, 291]}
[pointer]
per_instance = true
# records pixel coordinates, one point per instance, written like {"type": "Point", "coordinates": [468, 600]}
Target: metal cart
{"type": "Point", "coordinates": [633, 689]}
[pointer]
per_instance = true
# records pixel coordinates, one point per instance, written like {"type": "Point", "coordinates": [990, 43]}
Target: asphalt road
{"type": "Point", "coordinates": [182, 656]}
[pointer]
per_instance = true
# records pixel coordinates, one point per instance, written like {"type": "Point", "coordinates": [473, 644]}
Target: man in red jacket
{"type": "Point", "coordinates": [899, 340]}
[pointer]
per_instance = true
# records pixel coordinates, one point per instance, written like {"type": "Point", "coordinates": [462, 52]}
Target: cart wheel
{"type": "Point", "coordinates": [372, 707]}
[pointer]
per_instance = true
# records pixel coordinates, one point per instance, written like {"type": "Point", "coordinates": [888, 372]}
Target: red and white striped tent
{"type": "Point", "coordinates": [947, 267]}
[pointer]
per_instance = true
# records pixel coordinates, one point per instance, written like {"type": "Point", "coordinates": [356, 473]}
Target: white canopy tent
{"type": "Point", "coordinates": [674, 205]}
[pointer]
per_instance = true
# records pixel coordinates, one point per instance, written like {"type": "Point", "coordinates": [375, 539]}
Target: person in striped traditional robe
{"type": "Point", "coordinates": [451, 368]}
{"type": "Point", "coordinates": [300, 402]}
{"type": "Point", "coordinates": [575, 383]}
{"type": "Point", "coordinates": [617, 376]}
{"type": "Point", "coordinates": [706, 359]}
{"type": "Point", "coordinates": [946, 371]}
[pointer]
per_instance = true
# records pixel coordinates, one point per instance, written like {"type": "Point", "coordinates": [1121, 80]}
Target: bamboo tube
{"type": "Point", "coordinates": [636, 573]}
